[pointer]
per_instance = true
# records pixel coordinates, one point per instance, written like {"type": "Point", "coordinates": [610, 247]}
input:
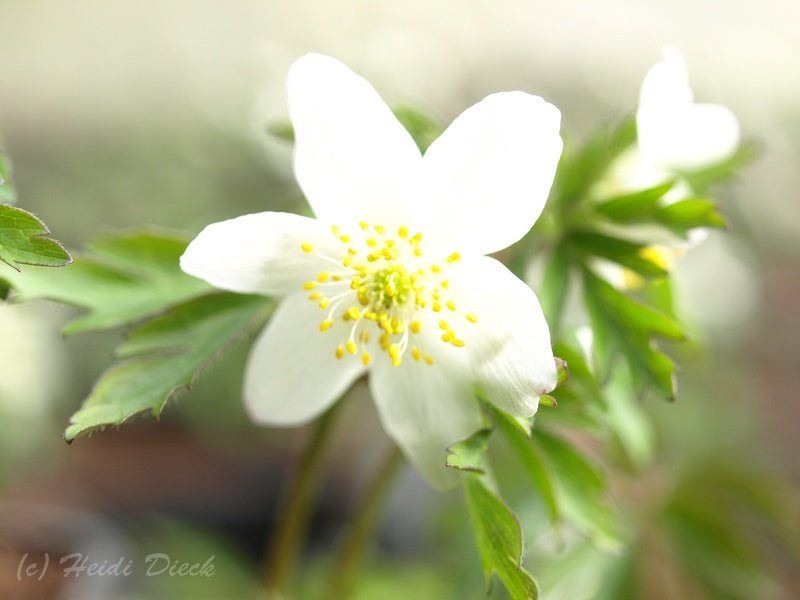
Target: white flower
{"type": "Point", "coordinates": [391, 277]}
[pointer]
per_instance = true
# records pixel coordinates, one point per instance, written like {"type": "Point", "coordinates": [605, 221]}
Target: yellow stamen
{"type": "Point", "coordinates": [323, 277]}
{"type": "Point", "coordinates": [326, 324]}
{"type": "Point", "coordinates": [351, 347]}
{"type": "Point", "coordinates": [416, 326]}
{"type": "Point", "coordinates": [454, 257]}
{"type": "Point", "coordinates": [339, 351]}
{"type": "Point", "coordinates": [366, 358]}
{"type": "Point", "coordinates": [306, 247]}
{"type": "Point", "coordinates": [309, 285]}
{"type": "Point", "coordinates": [472, 317]}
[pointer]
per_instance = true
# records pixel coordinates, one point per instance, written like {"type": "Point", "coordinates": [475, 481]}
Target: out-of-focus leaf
{"type": "Point", "coordinates": [164, 356]}
{"type": "Point", "coordinates": [282, 130]}
{"type": "Point", "coordinates": [8, 194]}
{"type": "Point", "coordinates": [555, 285]}
{"type": "Point", "coordinates": [690, 213]}
{"type": "Point", "coordinates": [579, 169]}
{"type": "Point", "coordinates": [579, 487]}
{"type": "Point", "coordinates": [421, 127]}
{"type": "Point", "coordinates": [628, 254]}
{"type": "Point", "coordinates": [24, 241]}
{"type": "Point", "coordinates": [634, 207]}
{"type": "Point", "coordinates": [531, 460]}
{"type": "Point", "coordinates": [701, 179]}
{"type": "Point", "coordinates": [624, 325]}
{"type": "Point", "coordinates": [498, 536]}
{"type": "Point", "coordinates": [470, 454]}
{"type": "Point", "coordinates": [123, 278]}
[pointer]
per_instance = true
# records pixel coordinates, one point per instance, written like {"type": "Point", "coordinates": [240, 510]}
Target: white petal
{"type": "Point", "coordinates": [292, 373]}
{"type": "Point", "coordinates": [692, 137]}
{"type": "Point", "coordinates": [489, 174]}
{"type": "Point", "coordinates": [260, 253]}
{"type": "Point", "coordinates": [353, 159]}
{"type": "Point", "coordinates": [666, 85]}
{"type": "Point", "coordinates": [509, 346]}
{"type": "Point", "coordinates": [425, 409]}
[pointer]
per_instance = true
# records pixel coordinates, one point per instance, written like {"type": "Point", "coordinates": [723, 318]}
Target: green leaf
{"type": "Point", "coordinates": [122, 279]}
{"type": "Point", "coordinates": [703, 178]}
{"type": "Point", "coordinates": [470, 454]}
{"type": "Point", "coordinates": [579, 488]}
{"type": "Point", "coordinates": [555, 285]}
{"type": "Point", "coordinates": [690, 213]}
{"type": "Point", "coordinates": [579, 169]}
{"type": "Point", "coordinates": [23, 241]}
{"type": "Point", "coordinates": [624, 325]}
{"type": "Point", "coordinates": [8, 195]}
{"type": "Point", "coordinates": [498, 536]}
{"type": "Point", "coordinates": [422, 128]}
{"type": "Point", "coordinates": [164, 356]}
{"type": "Point", "coordinates": [635, 207]}
{"type": "Point", "coordinates": [628, 254]}
{"type": "Point", "coordinates": [531, 460]}
{"type": "Point", "coordinates": [282, 130]}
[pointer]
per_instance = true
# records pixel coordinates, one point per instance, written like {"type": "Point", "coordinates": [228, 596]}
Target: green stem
{"type": "Point", "coordinates": [293, 516]}
{"type": "Point", "coordinates": [361, 527]}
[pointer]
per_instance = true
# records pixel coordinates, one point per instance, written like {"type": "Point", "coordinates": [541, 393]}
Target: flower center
{"type": "Point", "coordinates": [380, 283]}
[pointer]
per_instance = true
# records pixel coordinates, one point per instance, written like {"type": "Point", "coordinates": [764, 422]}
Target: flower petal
{"type": "Point", "coordinates": [489, 174]}
{"type": "Point", "coordinates": [509, 345]}
{"type": "Point", "coordinates": [353, 159]}
{"type": "Point", "coordinates": [673, 131]}
{"type": "Point", "coordinates": [292, 373]}
{"type": "Point", "coordinates": [260, 253]}
{"type": "Point", "coordinates": [425, 409]}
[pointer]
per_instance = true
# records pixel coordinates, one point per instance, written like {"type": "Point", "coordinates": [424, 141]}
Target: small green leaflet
{"type": "Point", "coordinates": [470, 454]}
{"type": "Point", "coordinates": [165, 355]}
{"type": "Point", "coordinates": [121, 279]}
{"type": "Point", "coordinates": [23, 241]}
{"type": "Point", "coordinates": [498, 536]}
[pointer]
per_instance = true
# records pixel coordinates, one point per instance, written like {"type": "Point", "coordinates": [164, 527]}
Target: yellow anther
{"type": "Point", "coordinates": [454, 257]}
{"type": "Point", "coordinates": [396, 361]}
{"type": "Point", "coordinates": [402, 231]}
{"type": "Point", "coordinates": [352, 251]}
{"type": "Point", "coordinates": [416, 353]}
{"type": "Point", "coordinates": [348, 260]}
{"type": "Point", "coordinates": [372, 242]}
{"type": "Point", "coordinates": [390, 243]}
{"type": "Point", "coordinates": [451, 305]}
{"type": "Point", "coordinates": [309, 285]}
{"type": "Point", "coordinates": [472, 317]}
{"type": "Point", "coordinates": [371, 315]}
{"type": "Point", "coordinates": [336, 277]}
{"type": "Point", "coordinates": [366, 358]}
{"type": "Point", "coordinates": [324, 302]}
{"type": "Point", "coordinates": [436, 307]}
{"type": "Point", "coordinates": [380, 229]}
{"type": "Point", "coordinates": [398, 326]}
{"type": "Point", "coordinates": [345, 239]}
{"type": "Point", "coordinates": [373, 257]}
{"type": "Point", "coordinates": [436, 268]}
{"type": "Point", "coordinates": [417, 238]}
{"type": "Point", "coordinates": [351, 347]}
{"type": "Point", "coordinates": [335, 229]}
{"type": "Point", "coordinates": [417, 252]}
{"type": "Point", "coordinates": [339, 351]}
{"type": "Point", "coordinates": [314, 296]}
{"type": "Point", "coordinates": [385, 341]}
{"type": "Point", "coordinates": [323, 277]}
{"type": "Point", "coordinates": [458, 343]}
{"type": "Point", "coordinates": [448, 336]}
{"type": "Point", "coordinates": [391, 289]}
{"type": "Point", "coordinates": [428, 359]}
{"type": "Point", "coordinates": [443, 325]}
{"type": "Point", "coordinates": [362, 299]}
{"type": "Point", "coordinates": [445, 283]}
{"type": "Point", "coordinates": [416, 326]}
{"type": "Point", "coordinates": [420, 302]}
{"type": "Point", "coordinates": [364, 225]}
{"type": "Point", "coordinates": [326, 324]}
{"type": "Point", "coordinates": [354, 313]}
{"type": "Point", "coordinates": [306, 247]}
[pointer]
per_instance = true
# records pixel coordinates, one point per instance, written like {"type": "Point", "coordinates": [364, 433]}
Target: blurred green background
{"type": "Point", "coordinates": [126, 114]}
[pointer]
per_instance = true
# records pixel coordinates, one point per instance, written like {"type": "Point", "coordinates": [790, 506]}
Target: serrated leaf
{"type": "Point", "coordinates": [23, 241]}
{"type": "Point", "coordinates": [121, 279]}
{"type": "Point", "coordinates": [498, 536]}
{"type": "Point", "coordinates": [164, 356]}
{"type": "Point", "coordinates": [470, 454]}
{"type": "Point", "coordinates": [627, 254]}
